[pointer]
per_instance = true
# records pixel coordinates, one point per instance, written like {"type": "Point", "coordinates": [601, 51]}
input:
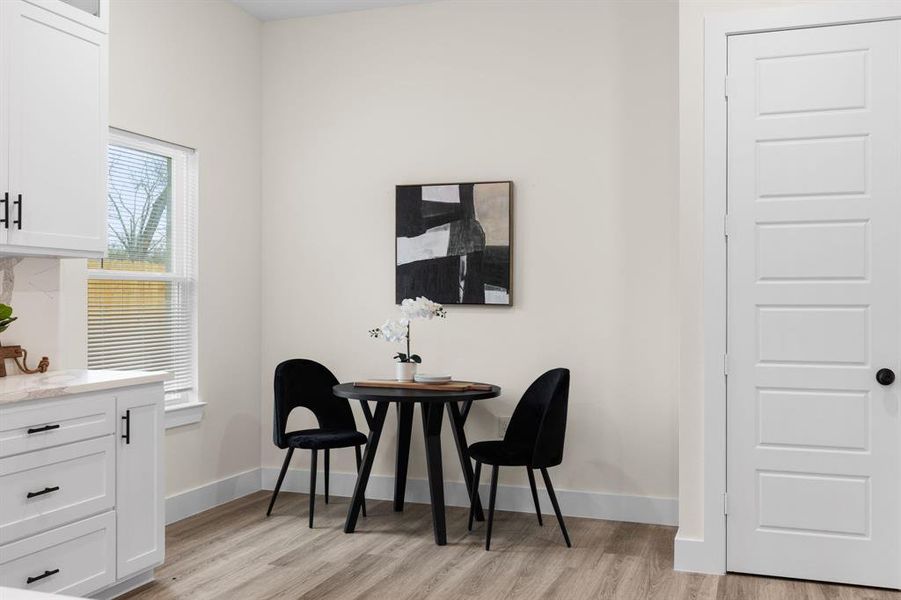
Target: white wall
{"type": "Point", "coordinates": [577, 105]}
{"type": "Point", "coordinates": [189, 73]}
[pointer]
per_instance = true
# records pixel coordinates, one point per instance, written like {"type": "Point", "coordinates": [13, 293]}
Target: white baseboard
{"type": "Point", "coordinates": [593, 505]}
{"type": "Point", "coordinates": [205, 497]}
{"type": "Point", "coordinates": [117, 589]}
{"type": "Point", "coordinates": [695, 556]}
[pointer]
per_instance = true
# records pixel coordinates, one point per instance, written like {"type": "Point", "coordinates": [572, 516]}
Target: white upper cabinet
{"type": "Point", "coordinates": [53, 127]}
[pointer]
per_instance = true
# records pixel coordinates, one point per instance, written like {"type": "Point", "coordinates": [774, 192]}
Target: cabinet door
{"type": "Point", "coordinates": [7, 9]}
{"type": "Point", "coordinates": [140, 518]}
{"type": "Point", "coordinates": [58, 129]}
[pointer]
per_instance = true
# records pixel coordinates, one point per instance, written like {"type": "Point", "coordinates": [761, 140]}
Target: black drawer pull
{"type": "Point", "coordinates": [44, 428]}
{"type": "Point", "coordinates": [46, 490]}
{"type": "Point", "coordinates": [31, 580]}
{"type": "Point", "coordinates": [5, 219]}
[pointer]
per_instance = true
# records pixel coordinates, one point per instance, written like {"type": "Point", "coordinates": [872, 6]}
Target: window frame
{"type": "Point", "coordinates": [181, 408]}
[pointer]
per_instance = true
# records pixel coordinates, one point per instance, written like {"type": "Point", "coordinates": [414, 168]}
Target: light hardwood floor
{"type": "Point", "coordinates": [234, 551]}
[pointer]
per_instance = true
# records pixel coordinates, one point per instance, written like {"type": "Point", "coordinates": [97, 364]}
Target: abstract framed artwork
{"type": "Point", "coordinates": [453, 242]}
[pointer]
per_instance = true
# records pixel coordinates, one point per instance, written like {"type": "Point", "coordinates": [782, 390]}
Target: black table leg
{"type": "Point", "coordinates": [378, 421]}
{"type": "Point", "coordinates": [457, 420]}
{"type": "Point", "coordinates": [432, 414]}
{"type": "Point", "coordinates": [404, 431]}
{"type": "Point", "coordinates": [367, 412]}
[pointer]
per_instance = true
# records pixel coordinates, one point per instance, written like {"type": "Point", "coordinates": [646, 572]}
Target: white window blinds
{"type": "Point", "coordinates": [141, 298]}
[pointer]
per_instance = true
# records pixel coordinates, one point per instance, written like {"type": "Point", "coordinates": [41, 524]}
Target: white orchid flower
{"type": "Point", "coordinates": [420, 308]}
{"type": "Point", "coordinates": [394, 331]}
{"type": "Point", "coordinates": [399, 330]}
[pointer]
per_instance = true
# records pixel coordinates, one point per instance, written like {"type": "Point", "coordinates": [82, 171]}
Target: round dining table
{"type": "Point", "coordinates": [432, 404]}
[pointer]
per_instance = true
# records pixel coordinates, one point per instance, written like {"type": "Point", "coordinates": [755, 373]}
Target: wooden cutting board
{"type": "Point", "coordinates": [451, 386]}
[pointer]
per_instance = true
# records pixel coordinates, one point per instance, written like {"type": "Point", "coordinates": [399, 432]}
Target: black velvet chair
{"type": "Point", "coordinates": [534, 440]}
{"type": "Point", "coordinates": [305, 383]}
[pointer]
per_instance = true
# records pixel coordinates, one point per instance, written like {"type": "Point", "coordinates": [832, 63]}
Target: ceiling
{"type": "Point", "coordinates": [270, 10]}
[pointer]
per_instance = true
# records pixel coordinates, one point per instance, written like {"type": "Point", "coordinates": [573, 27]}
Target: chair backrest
{"type": "Point", "coordinates": [306, 383]}
{"type": "Point", "coordinates": [539, 420]}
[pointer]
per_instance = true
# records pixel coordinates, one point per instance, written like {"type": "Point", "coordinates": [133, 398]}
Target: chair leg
{"type": "Point", "coordinates": [535, 495]}
{"type": "Point", "coordinates": [359, 461]}
{"type": "Point", "coordinates": [313, 455]}
{"type": "Point", "coordinates": [550, 492]}
{"type": "Point", "coordinates": [281, 478]}
{"type": "Point", "coordinates": [475, 491]}
{"type": "Point", "coordinates": [493, 494]}
{"type": "Point", "coordinates": [326, 475]}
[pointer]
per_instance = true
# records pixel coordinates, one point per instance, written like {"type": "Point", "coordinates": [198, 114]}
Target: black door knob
{"type": "Point", "coordinates": [885, 376]}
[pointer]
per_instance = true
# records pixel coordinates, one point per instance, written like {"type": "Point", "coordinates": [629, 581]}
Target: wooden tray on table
{"type": "Point", "coordinates": [450, 386]}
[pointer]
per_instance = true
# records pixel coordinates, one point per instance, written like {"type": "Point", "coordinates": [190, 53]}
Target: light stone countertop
{"type": "Point", "coordinates": [18, 388]}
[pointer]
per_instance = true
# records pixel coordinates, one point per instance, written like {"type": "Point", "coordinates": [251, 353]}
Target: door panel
{"type": "Point", "coordinates": [807, 83]}
{"type": "Point", "coordinates": [825, 250]}
{"type": "Point", "coordinates": [140, 512]}
{"type": "Point", "coordinates": [821, 166]}
{"type": "Point", "coordinates": [842, 419]}
{"type": "Point", "coordinates": [814, 190]}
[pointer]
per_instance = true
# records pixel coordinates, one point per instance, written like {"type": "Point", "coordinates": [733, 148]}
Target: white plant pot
{"type": "Point", "coordinates": [405, 371]}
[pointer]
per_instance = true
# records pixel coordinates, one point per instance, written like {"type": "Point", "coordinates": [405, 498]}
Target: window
{"type": "Point", "coordinates": [141, 297]}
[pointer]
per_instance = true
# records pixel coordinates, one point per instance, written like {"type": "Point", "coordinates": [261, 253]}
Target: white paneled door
{"type": "Point", "coordinates": [814, 213]}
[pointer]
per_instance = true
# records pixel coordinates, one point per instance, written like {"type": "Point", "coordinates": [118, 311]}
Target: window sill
{"type": "Point", "coordinates": [185, 413]}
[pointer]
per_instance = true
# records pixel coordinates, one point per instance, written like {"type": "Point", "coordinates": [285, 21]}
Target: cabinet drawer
{"type": "Point", "coordinates": [36, 425]}
{"type": "Point", "coordinates": [45, 489]}
{"type": "Point", "coordinates": [78, 558]}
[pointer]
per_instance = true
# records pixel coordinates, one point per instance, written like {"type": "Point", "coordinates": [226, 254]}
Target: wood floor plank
{"type": "Point", "coordinates": [235, 551]}
{"type": "Point", "coordinates": [631, 539]}
{"type": "Point", "coordinates": [623, 577]}
{"type": "Point", "coordinates": [738, 587]}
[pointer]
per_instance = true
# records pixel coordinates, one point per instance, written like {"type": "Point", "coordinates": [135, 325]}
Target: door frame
{"type": "Point", "coordinates": [708, 553]}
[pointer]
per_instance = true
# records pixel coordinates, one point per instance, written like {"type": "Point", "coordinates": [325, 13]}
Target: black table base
{"type": "Point", "coordinates": [432, 415]}
{"type": "Point", "coordinates": [432, 420]}
{"type": "Point", "coordinates": [404, 431]}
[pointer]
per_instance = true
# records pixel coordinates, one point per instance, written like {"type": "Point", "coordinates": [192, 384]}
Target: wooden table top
{"type": "Point", "coordinates": [349, 390]}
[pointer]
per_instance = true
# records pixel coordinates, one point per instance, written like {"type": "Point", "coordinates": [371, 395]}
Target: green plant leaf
{"type": "Point", "coordinates": [6, 311]}
{"type": "Point", "coordinates": [415, 358]}
{"type": "Point", "coordinates": [401, 357]}
{"type": "Point", "coordinates": [4, 323]}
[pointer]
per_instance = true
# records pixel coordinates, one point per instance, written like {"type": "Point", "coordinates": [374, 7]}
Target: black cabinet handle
{"type": "Point", "coordinates": [44, 428]}
{"type": "Point", "coordinates": [127, 435]}
{"type": "Point", "coordinates": [18, 203]}
{"type": "Point", "coordinates": [46, 490]}
{"type": "Point", "coordinates": [5, 202]}
{"type": "Point", "coordinates": [31, 580]}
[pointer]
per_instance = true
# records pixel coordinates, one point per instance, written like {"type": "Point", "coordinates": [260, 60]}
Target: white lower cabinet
{"type": "Point", "coordinates": [75, 559]}
{"type": "Point", "coordinates": [81, 493]}
{"type": "Point", "coordinates": [51, 487]}
{"type": "Point", "coordinates": [139, 484]}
